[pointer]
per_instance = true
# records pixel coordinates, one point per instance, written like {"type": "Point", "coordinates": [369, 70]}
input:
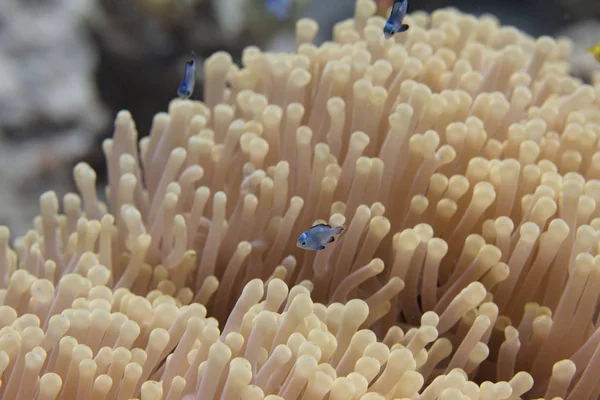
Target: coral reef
{"type": "Point", "coordinates": [463, 160]}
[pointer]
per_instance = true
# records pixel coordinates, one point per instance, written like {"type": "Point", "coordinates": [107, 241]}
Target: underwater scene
{"type": "Point", "coordinates": [299, 200]}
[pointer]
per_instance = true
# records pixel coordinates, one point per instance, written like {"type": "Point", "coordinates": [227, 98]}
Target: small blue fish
{"type": "Point", "coordinates": [394, 23]}
{"type": "Point", "coordinates": [318, 236]}
{"type": "Point", "coordinates": [186, 88]}
{"type": "Point", "coordinates": [279, 8]}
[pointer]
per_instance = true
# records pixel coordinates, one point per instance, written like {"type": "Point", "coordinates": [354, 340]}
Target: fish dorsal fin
{"type": "Point", "coordinates": [396, 7]}
{"type": "Point", "coordinates": [192, 60]}
{"type": "Point", "coordinates": [323, 225]}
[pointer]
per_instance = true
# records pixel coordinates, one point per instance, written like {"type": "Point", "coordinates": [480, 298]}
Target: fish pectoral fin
{"type": "Point", "coordinates": [403, 28]}
{"type": "Point", "coordinates": [320, 247]}
{"type": "Point", "coordinates": [331, 239]}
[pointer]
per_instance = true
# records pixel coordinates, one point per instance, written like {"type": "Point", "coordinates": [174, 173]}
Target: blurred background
{"type": "Point", "coordinates": [67, 67]}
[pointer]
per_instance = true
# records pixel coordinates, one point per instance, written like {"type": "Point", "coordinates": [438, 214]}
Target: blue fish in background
{"type": "Point", "coordinates": [316, 237]}
{"type": "Point", "coordinates": [279, 8]}
{"type": "Point", "coordinates": [394, 22]}
{"type": "Point", "coordinates": [186, 87]}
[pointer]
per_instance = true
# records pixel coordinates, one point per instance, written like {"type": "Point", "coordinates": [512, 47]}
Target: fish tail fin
{"type": "Point", "coordinates": [339, 229]}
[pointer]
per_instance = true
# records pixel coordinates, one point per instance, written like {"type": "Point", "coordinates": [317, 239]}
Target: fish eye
{"type": "Point", "coordinates": [303, 243]}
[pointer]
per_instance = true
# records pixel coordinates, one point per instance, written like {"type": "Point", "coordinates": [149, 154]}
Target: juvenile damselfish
{"type": "Point", "coordinates": [316, 237]}
{"type": "Point", "coordinates": [186, 87]}
{"type": "Point", "coordinates": [394, 23]}
{"type": "Point", "coordinates": [279, 8]}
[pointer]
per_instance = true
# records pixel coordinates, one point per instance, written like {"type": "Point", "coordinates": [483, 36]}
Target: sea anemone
{"type": "Point", "coordinates": [462, 159]}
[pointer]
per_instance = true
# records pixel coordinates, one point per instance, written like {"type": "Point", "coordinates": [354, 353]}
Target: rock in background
{"type": "Point", "coordinates": [49, 108]}
{"type": "Point", "coordinates": [584, 35]}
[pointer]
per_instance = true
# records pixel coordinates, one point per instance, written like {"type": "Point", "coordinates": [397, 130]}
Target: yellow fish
{"type": "Point", "coordinates": [595, 51]}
